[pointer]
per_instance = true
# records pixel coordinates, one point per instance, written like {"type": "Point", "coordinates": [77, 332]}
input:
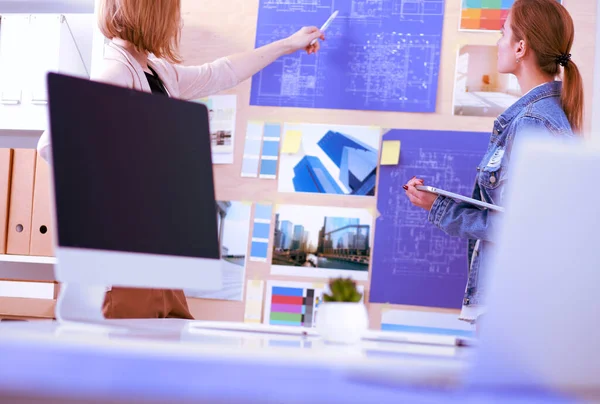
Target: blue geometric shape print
{"type": "Point", "coordinates": [378, 55]}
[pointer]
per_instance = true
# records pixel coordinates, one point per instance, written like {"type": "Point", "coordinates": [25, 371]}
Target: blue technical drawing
{"type": "Point", "coordinates": [414, 262]}
{"type": "Point", "coordinates": [378, 55]}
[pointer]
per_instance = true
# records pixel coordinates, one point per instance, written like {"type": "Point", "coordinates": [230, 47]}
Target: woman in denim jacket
{"type": "Point", "coordinates": [536, 41]}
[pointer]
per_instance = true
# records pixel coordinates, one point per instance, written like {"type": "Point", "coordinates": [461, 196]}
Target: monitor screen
{"type": "Point", "coordinates": [132, 171]}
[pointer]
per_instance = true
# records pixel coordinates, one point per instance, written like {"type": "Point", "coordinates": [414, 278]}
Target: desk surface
{"type": "Point", "coordinates": [166, 361]}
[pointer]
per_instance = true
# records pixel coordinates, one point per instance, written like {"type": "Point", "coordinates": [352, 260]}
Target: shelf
{"type": "Point", "coordinates": [27, 259]}
{"type": "Point", "coordinates": [47, 6]}
{"type": "Point", "coordinates": [27, 268]}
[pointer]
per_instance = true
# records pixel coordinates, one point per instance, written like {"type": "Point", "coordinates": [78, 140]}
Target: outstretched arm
{"type": "Point", "coordinates": [249, 63]}
{"type": "Point", "coordinates": [210, 78]}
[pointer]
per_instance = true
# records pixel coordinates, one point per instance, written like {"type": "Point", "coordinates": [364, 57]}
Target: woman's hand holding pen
{"type": "Point", "coordinates": [418, 198]}
{"type": "Point", "coordinates": [303, 39]}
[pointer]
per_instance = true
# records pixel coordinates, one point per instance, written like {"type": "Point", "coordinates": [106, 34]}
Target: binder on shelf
{"type": "Point", "coordinates": [21, 202]}
{"type": "Point", "coordinates": [5, 177]}
{"type": "Point", "coordinates": [41, 219]}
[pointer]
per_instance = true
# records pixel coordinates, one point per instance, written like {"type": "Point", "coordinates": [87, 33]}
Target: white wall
{"type": "Point", "coordinates": [596, 94]}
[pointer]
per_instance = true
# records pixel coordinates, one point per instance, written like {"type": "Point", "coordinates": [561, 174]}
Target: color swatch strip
{"type": "Point", "coordinates": [260, 232]}
{"type": "Point", "coordinates": [270, 151]}
{"type": "Point", "coordinates": [484, 15]}
{"type": "Point", "coordinates": [254, 299]}
{"type": "Point", "coordinates": [252, 146]}
{"type": "Point", "coordinates": [298, 309]}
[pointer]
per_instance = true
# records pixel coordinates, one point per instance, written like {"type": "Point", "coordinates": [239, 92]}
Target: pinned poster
{"type": "Point", "coordinates": [222, 116]}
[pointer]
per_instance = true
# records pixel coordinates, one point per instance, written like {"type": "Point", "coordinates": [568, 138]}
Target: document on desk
{"type": "Point", "coordinates": [370, 335]}
{"type": "Point", "coordinates": [251, 327]}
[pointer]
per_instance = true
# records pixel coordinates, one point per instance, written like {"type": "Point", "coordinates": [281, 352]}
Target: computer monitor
{"type": "Point", "coordinates": [133, 191]}
{"type": "Point", "coordinates": [542, 329]}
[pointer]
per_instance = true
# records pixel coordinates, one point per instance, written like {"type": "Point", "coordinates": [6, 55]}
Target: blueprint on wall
{"type": "Point", "coordinates": [415, 263]}
{"type": "Point", "coordinates": [378, 55]}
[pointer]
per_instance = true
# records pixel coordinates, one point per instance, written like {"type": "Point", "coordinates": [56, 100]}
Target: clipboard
{"type": "Point", "coordinates": [459, 197]}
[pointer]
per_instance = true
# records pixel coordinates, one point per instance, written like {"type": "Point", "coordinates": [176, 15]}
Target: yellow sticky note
{"type": "Point", "coordinates": [256, 283]}
{"type": "Point", "coordinates": [374, 212]}
{"type": "Point", "coordinates": [390, 152]}
{"type": "Point", "coordinates": [291, 141]}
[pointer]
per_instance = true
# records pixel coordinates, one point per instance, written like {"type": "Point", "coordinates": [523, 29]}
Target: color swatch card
{"type": "Point", "coordinates": [484, 15]}
{"type": "Point", "coordinates": [270, 150]}
{"type": "Point", "coordinates": [260, 232]}
{"type": "Point", "coordinates": [261, 150]}
{"type": "Point", "coordinates": [254, 300]}
{"type": "Point", "coordinates": [252, 147]}
{"type": "Point", "coordinates": [294, 303]}
{"type": "Point", "coordinates": [329, 159]}
{"type": "Point", "coordinates": [423, 322]}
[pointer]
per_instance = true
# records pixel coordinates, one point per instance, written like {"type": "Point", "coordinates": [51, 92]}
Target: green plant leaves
{"type": "Point", "coordinates": [342, 290]}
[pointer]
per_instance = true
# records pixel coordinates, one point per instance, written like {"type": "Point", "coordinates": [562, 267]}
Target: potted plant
{"type": "Point", "coordinates": [342, 317]}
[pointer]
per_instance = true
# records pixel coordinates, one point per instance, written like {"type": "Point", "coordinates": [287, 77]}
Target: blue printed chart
{"type": "Point", "coordinates": [415, 263]}
{"type": "Point", "coordinates": [378, 55]}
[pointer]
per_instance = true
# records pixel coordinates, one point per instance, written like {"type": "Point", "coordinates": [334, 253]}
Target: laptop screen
{"type": "Point", "coordinates": [132, 171]}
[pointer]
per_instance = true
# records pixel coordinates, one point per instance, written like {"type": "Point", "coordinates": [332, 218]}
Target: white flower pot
{"type": "Point", "coordinates": [342, 322]}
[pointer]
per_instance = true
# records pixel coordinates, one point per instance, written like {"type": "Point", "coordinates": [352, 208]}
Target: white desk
{"type": "Point", "coordinates": [169, 364]}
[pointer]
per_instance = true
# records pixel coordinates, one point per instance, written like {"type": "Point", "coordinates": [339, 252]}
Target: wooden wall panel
{"type": "Point", "coordinates": [216, 28]}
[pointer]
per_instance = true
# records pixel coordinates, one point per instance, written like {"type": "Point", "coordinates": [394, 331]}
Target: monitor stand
{"type": "Point", "coordinates": [80, 303]}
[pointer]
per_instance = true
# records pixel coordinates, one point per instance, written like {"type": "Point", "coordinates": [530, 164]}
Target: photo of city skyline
{"type": "Point", "coordinates": [233, 219]}
{"type": "Point", "coordinates": [319, 241]}
{"type": "Point", "coordinates": [329, 159]}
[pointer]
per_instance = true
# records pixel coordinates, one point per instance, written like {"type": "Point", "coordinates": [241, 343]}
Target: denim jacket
{"type": "Point", "coordinates": [537, 111]}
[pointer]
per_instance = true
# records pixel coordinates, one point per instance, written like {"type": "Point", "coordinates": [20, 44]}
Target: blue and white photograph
{"type": "Point", "coordinates": [329, 159]}
{"type": "Point", "coordinates": [233, 218]}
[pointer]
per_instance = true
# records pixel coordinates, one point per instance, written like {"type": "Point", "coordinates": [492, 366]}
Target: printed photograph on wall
{"type": "Point", "coordinates": [479, 90]}
{"type": "Point", "coordinates": [329, 159]}
{"type": "Point", "coordinates": [233, 218]}
{"type": "Point", "coordinates": [484, 15]}
{"type": "Point", "coordinates": [221, 115]}
{"type": "Point", "coordinates": [322, 242]}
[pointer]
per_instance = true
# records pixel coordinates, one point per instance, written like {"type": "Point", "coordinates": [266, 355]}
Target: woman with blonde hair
{"type": "Point", "coordinates": [143, 54]}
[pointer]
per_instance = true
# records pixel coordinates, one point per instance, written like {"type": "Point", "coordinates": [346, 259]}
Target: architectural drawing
{"type": "Point", "coordinates": [378, 55]}
{"type": "Point", "coordinates": [415, 263]}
